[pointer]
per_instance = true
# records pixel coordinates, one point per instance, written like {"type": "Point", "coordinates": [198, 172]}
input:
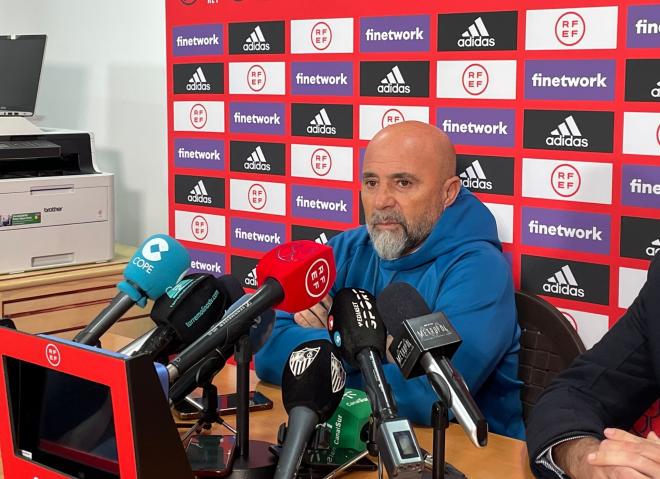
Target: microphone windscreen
{"type": "Point", "coordinates": [190, 307]}
{"type": "Point", "coordinates": [400, 301]}
{"type": "Point", "coordinates": [304, 269]}
{"type": "Point", "coordinates": [231, 287]}
{"type": "Point", "coordinates": [355, 324]}
{"type": "Point", "coordinates": [156, 265]}
{"type": "Point", "coordinates": [314, 377]}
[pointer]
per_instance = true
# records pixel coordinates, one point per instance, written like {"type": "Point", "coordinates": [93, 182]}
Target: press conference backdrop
{"type": "Point", "coordinates": [553, 111]}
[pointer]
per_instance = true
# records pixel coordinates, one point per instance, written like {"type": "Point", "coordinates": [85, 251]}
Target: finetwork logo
{"type": "Point", "coordinates": [474, 177]}
{"type": "Point", "coordinates": [499, 128]}
{"type": "Point", "coordinates": [563, 282]}
{"type": "Point", "coordinates": [322, 203]}
{"type": "Point", "coordinates": [256, 38]}
{"type": "Point", "coordinates": [202, 154]}
{"type": "Point", "coordinates": [207, 262]}
{"type": "Point", "coordinates": [570, 79]}
{"type": "Point", "coordinates": [643, 29]}
{"type": "Point", "coordinates": [395, 34]}
{"type": "Point", "coordinates": [321, 124]}
{"type": "Point", "coordinates": [322, 78]}
{"type": "Point", "coordinates": [265, 118]}
{"type": "Point", "coordinates": [476, 36]}
{"type": "Point", "coordinates": [477, 31]}
{"type": "Point", "coordinates": [197, 40]}
{"type": "Point", "coordinates": [567, 134]}
{"type": "Point", "coordinates": [640, 186]}
{"type": "Point", "coordinates": [478, 126]}
{"type": "Point", "coordinates": [256, 235]}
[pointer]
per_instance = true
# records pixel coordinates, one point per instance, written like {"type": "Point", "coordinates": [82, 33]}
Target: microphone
{"type": "Point", "coordinates": [185, 312]}
{"type": "Point", "coordinates": [423, 344]}
{"type": "Point", "coordinates": [158, 263]}
{"type": "Point", "coordinates": [205, 369]}
{"type": "Point", "coordinates": [358, 331]}
{"type": "Point", "coordinates": [292, 277]}
{"type": "Point", "coordinates": [313, 384]}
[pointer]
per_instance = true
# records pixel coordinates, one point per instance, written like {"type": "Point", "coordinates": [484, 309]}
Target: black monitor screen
{"type": "Point", "coordinates": [21, 57]}
{"type": "Point", "coordinates": [62, 421]}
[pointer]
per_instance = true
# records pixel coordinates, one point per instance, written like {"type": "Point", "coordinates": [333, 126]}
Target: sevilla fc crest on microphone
{"type": "Point", "coordinates": [299, 361]}
{"type": "Point", "coordinates": [338, 374]}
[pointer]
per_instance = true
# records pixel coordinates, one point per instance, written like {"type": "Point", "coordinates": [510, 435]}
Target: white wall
{"type": "Point", "coordinates": [104, 71]}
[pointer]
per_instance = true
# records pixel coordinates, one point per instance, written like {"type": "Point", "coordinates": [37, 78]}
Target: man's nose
{"type": "Point", "coordinates": [384, 198]}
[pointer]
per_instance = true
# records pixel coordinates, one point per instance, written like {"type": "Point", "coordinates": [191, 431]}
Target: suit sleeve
{"type": "Point", "coordinates": [610, 385]}
{"type": "Point", "coordinates": [481, 307]}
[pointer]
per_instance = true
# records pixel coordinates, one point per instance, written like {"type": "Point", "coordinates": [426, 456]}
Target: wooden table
{"type": "Point", "coordinates": [502, 458]}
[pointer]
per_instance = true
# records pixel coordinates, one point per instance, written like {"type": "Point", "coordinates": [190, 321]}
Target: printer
{"type": "Point", "coordinates": [56, 207]}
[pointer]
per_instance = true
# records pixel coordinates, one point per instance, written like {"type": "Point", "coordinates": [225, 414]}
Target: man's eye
{"type": "Point", "coordinates": [404, 183]}
{"type": "Point", "coordinates": [370, 183]}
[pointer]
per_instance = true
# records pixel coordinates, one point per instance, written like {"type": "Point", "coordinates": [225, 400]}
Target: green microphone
{"type": "Point", "coordinates": [349, 419]}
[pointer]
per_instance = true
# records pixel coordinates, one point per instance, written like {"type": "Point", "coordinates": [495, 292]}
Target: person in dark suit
{"type": "Point", "coordinates": [578, 427]}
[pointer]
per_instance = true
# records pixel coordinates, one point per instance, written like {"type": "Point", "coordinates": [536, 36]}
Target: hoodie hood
{"type": "Point", "coordinates": [463, 224]}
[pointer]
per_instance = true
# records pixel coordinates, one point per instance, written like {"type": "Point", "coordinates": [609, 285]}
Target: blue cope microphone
{"type": "Point", "coordinates": [156, 265]}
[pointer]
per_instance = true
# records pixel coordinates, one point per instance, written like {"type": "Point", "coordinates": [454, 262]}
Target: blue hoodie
{"type": "Point", "coordinates": [459, 270]}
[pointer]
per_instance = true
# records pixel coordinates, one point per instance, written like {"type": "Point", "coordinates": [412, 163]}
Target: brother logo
{"type": "Point", "coordinates": [53, 209]}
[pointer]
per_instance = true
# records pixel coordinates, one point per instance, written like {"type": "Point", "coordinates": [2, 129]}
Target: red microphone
{"type": "Point", "coordinates": [292, 277]}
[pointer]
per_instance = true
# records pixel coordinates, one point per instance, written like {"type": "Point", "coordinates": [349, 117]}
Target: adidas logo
{"type": "Point", "coordinates": [654, 248]}
{"type": "Point", "coordinates": [474, 177]}
{"type": "Point", "coordinates": [655, 91]}
{"type": "Point", "coordinates": [393, 82]}
{"type": "Point", "coordinates": [198, 82]}
{"type": "Point", "coordinates": [321, 124]}
{"type": "Point", "coordinates": [567, 134]}
{"type": "Point", "coordinates": [256, 42]}
{"type": "Point", "coordinates": [199, 194]}
{"type": "Point", "coordinates": [251, 278]}
{"type": "Point", "coordinates": [563, 282]}
{"type": "Point", "coordinates": [476, 36]}
{"type": "Point", "coordinates": [256, 161]}
{"type": "Point", "coordinates": [322, 239]}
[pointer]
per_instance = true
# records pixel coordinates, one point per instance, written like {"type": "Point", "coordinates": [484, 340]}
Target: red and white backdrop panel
{"type": "Point", "coordinates": [554, 113]}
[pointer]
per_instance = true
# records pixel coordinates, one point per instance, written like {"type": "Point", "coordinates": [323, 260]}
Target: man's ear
{"type": "Point", "coordinates": [450, 190]}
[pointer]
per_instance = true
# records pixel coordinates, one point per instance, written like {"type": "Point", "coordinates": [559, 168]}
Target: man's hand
{"type": "Point", "coordinates": [573, 457]}
{"type": "Point", "coordinates": [626, 450]}
{"type": "Point", "coordinates": [316, 316]}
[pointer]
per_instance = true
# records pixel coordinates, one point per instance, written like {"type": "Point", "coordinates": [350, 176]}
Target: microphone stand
{"type": "Point", "coordinates": [252, 459]}
{"type": "Point", "coordinates": [440, 422]}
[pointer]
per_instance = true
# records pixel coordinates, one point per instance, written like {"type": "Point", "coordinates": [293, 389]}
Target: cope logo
{"type": "Point", "coordinates": [565, 279]}
{"type": "Point", "coordinates": [570, 28]}
{"type": "Point", "coordinates": [333, 121]}
{"type": "Point", "coordinates": [486, 174]}
{"type": "Point", "coordinates": [394, 79]}
{"type": "Point", "coordinates": [153, 249]}
{"type": "Point", "coordinates": [640, 237]}
{"type": "Point", "coordinates": [569, 130]}
{"type": "Point", "coordinates": [246, 270]}
{"type": "Point", "coordinates": [257, 157]}
{"type": "Point", "coordinates": [478, 31]}
{"type": "Point", "coordinates": [201, 191]}
{"type": "Point", "coordinates": [192, 78]}
{"type": "Point", "coordinates": [53, 355]}
{"type": "Point", "coordinates": [256, 38]}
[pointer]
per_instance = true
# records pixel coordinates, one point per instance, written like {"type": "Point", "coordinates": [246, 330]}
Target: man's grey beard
{"type": "Point", "coordinates": [394, 244]}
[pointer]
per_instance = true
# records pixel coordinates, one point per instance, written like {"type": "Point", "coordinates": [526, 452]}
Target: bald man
{"type": "Point", "coordinates": [425, 229]}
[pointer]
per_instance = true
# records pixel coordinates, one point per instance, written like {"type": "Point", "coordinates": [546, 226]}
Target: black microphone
{"type": "Point", "coordinates": [313, 384]}
{"type": "Point", "coordinates": [6, 322]}
{"type": "Point", "coordinates": [423, 344]}
{"type": "Point", "coordinates": [205, 369]}
{"type": "Point", "coordinates": [358, 331]}
{"type": "Point", "coordinates": [293, 276]}
{"type": "Point", "coordinates": [185, 312]}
